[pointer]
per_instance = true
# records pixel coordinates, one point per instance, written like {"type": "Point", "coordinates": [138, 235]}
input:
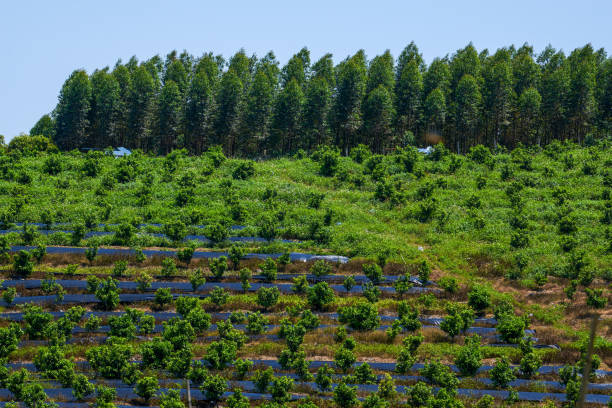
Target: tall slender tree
{"type": "Point", "coordinates": [554, 89]}
{"type": "Point", "coordinates": [378, 118]}
{"type": "Point", "coordinates": [229, 105]}
{"type": "Point", "coordinates": [316, 113]}
{"type": "Point", "coordinates": [286, 134]}
{"type": "Point", "coordinates": [258, 111]}
{"type": "Point", "coordinates": [123, 77]}
{"type": "Point", "coordinates": [466, 111]}
{"type": "Point", "coordinates": [45, 127]}
{"type": "Point", "coordinates": [380, 72]}
{"type": "Point", "coordinates": [72, 111]}
{"type": "Point", "coordinates": [169, 114]}
{"type": "Point", "coordinates": [529, 116]}
{"type": "Point", "coordinates": [437, 76]}
{"type": "Point", "coordinates": [350, 89]}
{"type": "Point", "coordinates": [435, 111]}
{"type": "Point", "coordinates": [324, 68]}
{"type": "Point", "coordinates": [408, 93]}
{"type": "Point", "coordinates": [141, 105]}
{"type": "Point", "coordinates": [581, 108]}
{"type": "Point", "coordinates": [105, 110]}
{"type": "Point", "coordinates": [498, 95]}
{"type": "Point", "coordinates": [297, 68]}
{"type": "Point", "coordinates": [199, 113]}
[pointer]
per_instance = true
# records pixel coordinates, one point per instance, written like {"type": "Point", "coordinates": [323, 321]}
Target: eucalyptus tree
{"type": "Point", "coordinates": [72, 111]}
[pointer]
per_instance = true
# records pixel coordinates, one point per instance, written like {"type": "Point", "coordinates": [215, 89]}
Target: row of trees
{"type": "Point", "coordinates": [252, 107]}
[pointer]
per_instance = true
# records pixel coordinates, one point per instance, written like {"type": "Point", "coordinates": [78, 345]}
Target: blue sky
{"type": "Point", "coordinates": [42, 42]}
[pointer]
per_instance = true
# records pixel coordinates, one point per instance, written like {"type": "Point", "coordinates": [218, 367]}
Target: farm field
{"type": "Point", "coordinates": [405, 279]}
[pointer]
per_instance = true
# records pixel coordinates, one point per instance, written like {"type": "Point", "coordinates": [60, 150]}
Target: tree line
{"type": "Point", "coordinates": [254, 107]}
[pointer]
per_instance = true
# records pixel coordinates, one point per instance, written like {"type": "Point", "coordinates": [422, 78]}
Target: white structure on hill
{"type": "Point", "coordinates": [121, 152]}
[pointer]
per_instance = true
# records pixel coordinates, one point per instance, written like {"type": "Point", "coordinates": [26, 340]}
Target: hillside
{"type": "Point", "coordinates": [490, 243]}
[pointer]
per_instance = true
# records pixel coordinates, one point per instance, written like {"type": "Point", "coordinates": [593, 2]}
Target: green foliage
{"type": "Point", "coordinates": [168, 267]}
{"type": "Point", "coordinates": [440, 375]}
{"type": "Point", "coordinates": [216, 232]}
{"type": "Point", "coordinates": [424, 272]}
{"type": "Point", "coordinates": [362, 316]}
{"type": "Point", "coordinates": [220, 353]}
{"type": "Point", "coordinates": [237, 400]}
{"type": "Point", "coordinates": [458, 320]}
{"type": "Point", "coordinates": [244, 170]}
{"type": "Point", "coordinates": [407, 355]}
{"type": "Point", "coordinates": [107, 293]}
{"type": "Point", "coordinates": [120, 268]}
{"type": "Point", "coordinates": [144, 281]}
{"type": "Point", "coordinates": [268, 269]}
{"type": "Point", "coordinates": [502, 374]}
{"type": "Point", "coordinates": [373, 272]}
{"type": "Point", "coordinates": [218, 296]}
{"type": "Point", "coordinates": [163, 297]}
{"type": "Point", "coordinates": [22, 264]}
{"type": "Point", "coordinates": [146, 388]}
{"type": "Point", "coordinates": [371, 292]}
{"type": "Point", "coordinates": [479, 298]}
{"type": "Point", "coordinates": [256, 323]}
{"type": "Point", "coordinates": [511, 328]}
{"type": "Point", "coordinates": [175, 230]}
{"type": "Point", "coordinates": [245, 275]}
{"type": "Point", "coordinates": [8, 295]}
{"type": "Point", "coordinates": [280, 389]}
{"type": "Point", "coordinates": [262, 379]}
{"type": "Point", "coordinates": [109, 360]}
{"type": "Point", "coordinates": [197, 279]}
{"type": "Point", "coordinates": [328, 158]}
{"type": "Point", "coordinates": [323, 378]}
{"type": "Point", "coordinates": [345, 396]}
{"type": "Point", "coordinates": [218, 267]}
{"type": "Point", "coordinates": [469, 358]}
{"type": "Point", "coordinates": [320, 268]}
{"type": "Point", "coordinates": [320, 295]}
{"type": "Point", "coordinates": [349, 283]}
{"type": "Point", "coordinates": [300, 284]}
{"type": "Point", "coordinates": [171, 399]}
{"type": "Point", "coordinates": [449, 284]}
{"type": "Point", "coordinates": [267, 297]}
{"type": "Point", "coordinates": [344, 359]}
{"type": "Point", "coordinates": [213, 388]}
{"type": "Point", "coordinates": [236, 252]}
{"type": "Point", "coordinates": [81, 387]}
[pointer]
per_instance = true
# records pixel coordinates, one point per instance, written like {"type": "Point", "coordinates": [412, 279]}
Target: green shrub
{"type": "Point", "coordinates": [373, 272]}
{"type": "Point", "coordinates": [328, 158]}
{"type": "Point", "coordinates": [218, 267]}
{"type": "Point", "coordinates": [268, 269]}
{"type": "Point", "coordinates": [449, 284]}
{"type": "Point", "coordinates": [163, 297]}
{"type": "Point", "coordinates": [320, 268]}
{"type": "Point", "coordinates": [469, 358]}
{"type": "Point", "coordinates": [320, 296]}
{"type": "Point", "coordinates": [22, 264]}
{"type": "Point", "coordinates": [479, 298]}
{"type": "Point", "coordinates": [502, 374]}
{"type": "Point", "coordinates": [267, 297]}
{"type": "Point", "coordinates": [120, 268]}
{"type": "Point", "coordinates": [218, 296]}
{"type": "Point", "coordinates": [244, 170]}
{"type": "Point", "coordinates": [362, 316]}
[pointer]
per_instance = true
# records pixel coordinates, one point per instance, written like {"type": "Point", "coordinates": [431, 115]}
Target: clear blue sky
{"type": "Point", "coordinates": [42, 42]}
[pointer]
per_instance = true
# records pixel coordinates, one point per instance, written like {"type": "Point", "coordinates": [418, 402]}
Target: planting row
{"type": "Point", "coordinates": [294, 256]}
{"type": "Point", "coordinates": [199, 238]}
{"type": "Point", "coordinates": [249, 390]}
